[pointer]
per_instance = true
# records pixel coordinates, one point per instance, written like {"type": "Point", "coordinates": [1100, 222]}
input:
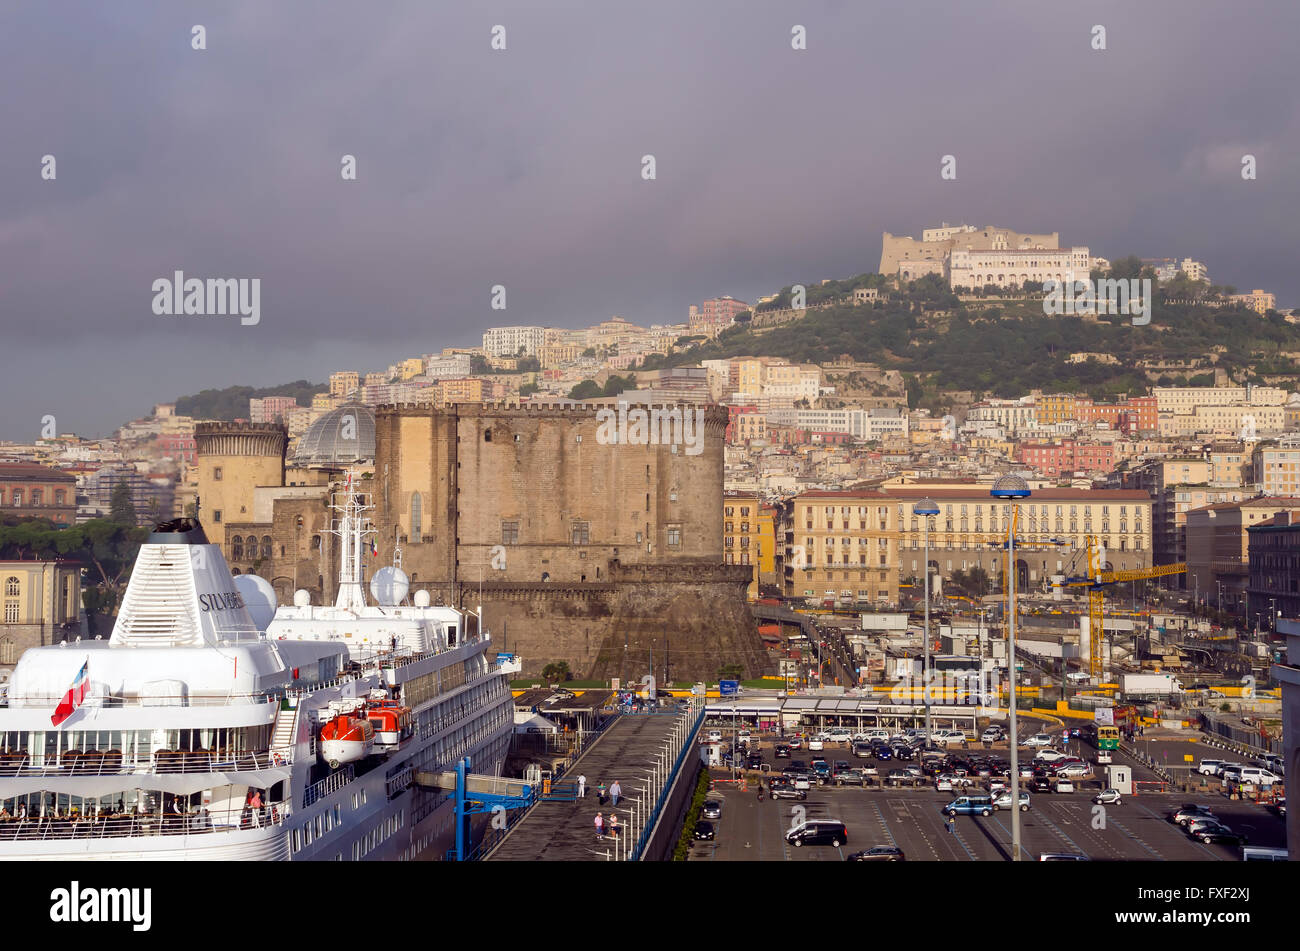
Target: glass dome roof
{"type": "Point", "coordinates": [340, 438]}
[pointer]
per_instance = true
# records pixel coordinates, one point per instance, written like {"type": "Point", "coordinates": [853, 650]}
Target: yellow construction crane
{"type": "Point", "coordinates": [1096, 580]}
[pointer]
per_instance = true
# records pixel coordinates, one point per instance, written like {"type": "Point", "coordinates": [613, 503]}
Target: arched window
{"type": "Point", "coordinates": [266, 546]}
{"type": "Point", "coordinates": [237, 548]}
{"type": "Point", "coordinates": [416, 516]}
{"type": "Point", "coordinates": [12, 586]}
{"type": "Point", "coordinates": [315, 543]}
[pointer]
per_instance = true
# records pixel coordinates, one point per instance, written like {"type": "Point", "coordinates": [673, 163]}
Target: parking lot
{"type": "Point", "coordinates": [911, 819]}
{"type": "Point", "coordinates": [1134, 830]}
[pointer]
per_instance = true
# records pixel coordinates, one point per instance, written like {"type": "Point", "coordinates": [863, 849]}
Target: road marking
{"type": "Point", "coordinates": [1134, 836]}
{"type": "Point", "coordinates": [884, 825]}
{"type": "Point", "coordinates": [1042, 815]}
{"type": "Point", "coordinates": [1008, 832]}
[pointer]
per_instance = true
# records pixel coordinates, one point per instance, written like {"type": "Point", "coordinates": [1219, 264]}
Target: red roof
{"type": "Point", "coordinates": [31, 472]}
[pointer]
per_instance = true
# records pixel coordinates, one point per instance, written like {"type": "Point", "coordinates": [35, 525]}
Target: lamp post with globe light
{"type": "Point", "coordinates": [926, 509]}
{"type": "Point", "coordinates": [1012, 488]}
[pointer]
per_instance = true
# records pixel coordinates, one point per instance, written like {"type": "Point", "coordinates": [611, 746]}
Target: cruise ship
{"type": "Point", "coordinates": [213, 725]}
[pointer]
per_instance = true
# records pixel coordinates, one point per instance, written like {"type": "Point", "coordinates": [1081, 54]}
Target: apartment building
{"type": "Point", "coordinates": [749, 537]}
{"type": "Point", "coordinates": [839, 547]}
{"type": "Point", "coordinates": [343, 382]}
{"type": "Point", "coordinates": [509, 341]}
{"type": "Point", "coordinates": [1276, 468]}
{"type": "Point", "coordinates": [1218, 547]}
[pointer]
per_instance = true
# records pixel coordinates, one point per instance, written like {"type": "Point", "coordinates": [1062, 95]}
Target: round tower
{"type": "Point", "coordinates": [232, 459]}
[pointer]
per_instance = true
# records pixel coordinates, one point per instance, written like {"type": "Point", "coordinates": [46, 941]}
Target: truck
{"type": "Point", "coordinates": [1148, 685]}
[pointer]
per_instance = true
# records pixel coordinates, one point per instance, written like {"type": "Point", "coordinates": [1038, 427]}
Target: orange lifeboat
{"type": "Point", "coordinates": [392, 722]}
{"type": "Point", "coordinates": [346, 739]}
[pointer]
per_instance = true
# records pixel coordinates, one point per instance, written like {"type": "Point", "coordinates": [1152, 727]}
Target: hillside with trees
{"type": "Point", "coordinates": [232, 402]}
{"type": "Point", "coordinates": [1006, 349]}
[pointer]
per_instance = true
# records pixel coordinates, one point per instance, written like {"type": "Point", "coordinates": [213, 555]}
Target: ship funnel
{"type": "Point", "coordinates": [181, 593]}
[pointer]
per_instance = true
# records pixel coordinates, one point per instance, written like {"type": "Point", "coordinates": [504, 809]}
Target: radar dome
{"type": "Point", "coordinates": [302, 598]}
{"type": "Point", "coordinates": [422, 598]}
{"type": "Point", "coordinates": [389, 586]}
{"type": "Point", "coordinates": [259, 598]}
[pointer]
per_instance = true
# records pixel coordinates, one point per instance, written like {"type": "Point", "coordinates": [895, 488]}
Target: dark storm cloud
{"type": "Point", "coordinates": [522, 167]}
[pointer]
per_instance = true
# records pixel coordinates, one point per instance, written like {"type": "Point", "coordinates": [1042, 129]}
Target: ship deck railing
{"type": "Point", "coordinates": [114, 701]}
{"type": "Point", "coordinates": [75, 763]}
{"type": "Point", "coordinates": [128, 825]}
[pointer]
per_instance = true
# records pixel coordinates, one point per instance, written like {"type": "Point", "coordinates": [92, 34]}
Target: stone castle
{"type": "Point", "coordinates": [578, 549]}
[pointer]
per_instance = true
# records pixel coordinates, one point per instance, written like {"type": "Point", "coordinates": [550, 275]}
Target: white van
{"type": "Point", "coordinates": [1255, 853]}
{"type": "Point", "coordinates": [949, 737]}
{"type": "Point", "coordinates": [1255, 775]}
{"type": "Point", "coordinates": [1211, 767]}
{"type": "Point", "coordinates": [1077, 677]}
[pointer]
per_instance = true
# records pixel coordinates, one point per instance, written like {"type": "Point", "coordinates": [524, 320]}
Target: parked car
{"type": "Point", "coordinates": [879, 853]}
{"type": "Point", "coordinates": [1038, 739]}
{"type": "Point", "coordinates": [862, 750]}
{"type": "Point", "coordinates": [1188, 812]}
{"type": "Point", "coordinates": [712, 809]}
{"type": "Point", "coordinates": [1041, 784]}
{"type": "Point", "coordinates": [993, 734]}
{"type": "Point", "coordinates": [714, 736]}
{"type": "Point", "coordinates": [1222, 836]}
{"type": "Point", "coordinates": [1003, 801]}
{"type": "Point", "coordinates": [1062, 857]}
{"type": "Point", "coordinates": [704, 830]}
{"type": "Point", "coordinates": [1107, 797]}
{"type": "Point", "coordinates": [899, 777]}
{"type": "Point", "coordinates": [882, 752]}
{"type": "Point", "coordinates": [903, 752]}
{"type": "Point", "coordinates": [838, 734]}
{"type": "Point", "coordinates": [851, 777]}
{"type": "Point", "coordinates": [782, 751]}
{"type": "Point", "coordinates": [1074, 770]}
{"type": "Point", "coordinates": [943, 783]}
{"type": "Point", "coordinates": [796, 743]}
{"type": "Point", "coordinates": [1049, 756]}
{"type": "Point", "coordinates": [780, 790]}
{"type": "Point", "coordinates": [1064, 786]}
{"type": "Point", "coordinates": [816, 744]}
{"type": "Point", "coordinates": [753, 761]}
{"type": "Point", "coordinates": [1195, 827]}
{"type": "Point", "coordinates": [950, 738]}
{"type": "Point", "coordinates": [818, 832]}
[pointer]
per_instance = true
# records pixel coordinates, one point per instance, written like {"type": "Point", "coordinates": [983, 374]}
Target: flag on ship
{"type": "Point", "coordinates": [72, 699]}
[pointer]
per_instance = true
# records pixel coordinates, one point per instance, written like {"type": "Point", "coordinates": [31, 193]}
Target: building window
{"type": "Point", "coordinates": [11, 612]}
{"type": "Point", "coordinates": [581, 533]}
{"type": "Point", "coordinates": [18, 498]}
{"type": "Point", "coordinates": [266, 546]}
{"type": "Point", "coordinates": [674, 536]}
{"type": "Point", "coordinates": [417, 515]}
{"type": "Point", "coordinates": [8, 652]}
{"type": "Point", "coordinates": [12, 586]}
{"type": "Point", "coordinates": [36, 497]}
{"type": "Point", "coordinates": [60, 497]}
{"type": "Point", "coordinates": [216, 515]}
{"type": "Point", "coordinates": [315, 543]}
{"type": "Point", "coordinates": [237, 548]}
{"type": "Point", "coordinates": [216, 473]}
{"type": "Point", "coordinates": [510, 533]}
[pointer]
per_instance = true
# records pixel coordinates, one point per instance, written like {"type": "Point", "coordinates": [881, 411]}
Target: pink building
{"type": "Point", "coordinates": [714, 315]}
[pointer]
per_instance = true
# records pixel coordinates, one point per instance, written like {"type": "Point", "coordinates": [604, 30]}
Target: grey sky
{"type": "Point", "coordinates": [522, 167]}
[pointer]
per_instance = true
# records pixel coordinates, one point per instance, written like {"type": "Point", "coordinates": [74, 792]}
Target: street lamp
{"type": "Point", "coordinates": [926, 509]}
{"type": "Point", "coordinates": [1011, 488]}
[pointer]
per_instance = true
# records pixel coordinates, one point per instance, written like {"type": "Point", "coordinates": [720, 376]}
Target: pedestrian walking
{"type": "Point", "coordinates": [950, 824]}
{"type": "Point", "coordinates": [600, 793]}
{"type": "Point", "coordinates": [615, 791]}
{"type": "Point", "coordinates": [582, 786]}
{"type": "Point", "coordinates": [600, 826]}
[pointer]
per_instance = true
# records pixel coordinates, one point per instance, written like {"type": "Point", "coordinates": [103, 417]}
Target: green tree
{"type": "Point", "coordinates": [120, 508]}
{"type": "Point", "coordinates": [478, 365]}
{"type": "Point", "coordinates": [558, 672]}
{"type": "Point", "coordinates": [587, 389]}
{"type": "Point", "coordinates": [617, 384]}
{"type": "Point", "coordinates": [528, 389]}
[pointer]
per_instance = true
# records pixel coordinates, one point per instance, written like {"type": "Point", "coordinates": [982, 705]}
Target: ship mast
{"type": "Point", "coordinates": [352, 528]}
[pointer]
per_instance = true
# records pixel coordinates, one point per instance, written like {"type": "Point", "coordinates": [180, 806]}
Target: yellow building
{"type": "Point", "coordinates": [1055, 408]}
{"type": "Point", "coordinates": [325, 402]}
{"type": "Point", "coordinates": [410, 368]}
{"type": "Point", "coordinates": [42, 605]}
{"type": "Point", "coordinates": [749, 537]}
{"type": "Point", "coordinates": [841, 546]}
{"type": "Point", "coordinates": [344, 382]}
{"type": "Point", "coordinates": [553, 355]}
{"type": "Point", "coordinates": [466, 390]}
